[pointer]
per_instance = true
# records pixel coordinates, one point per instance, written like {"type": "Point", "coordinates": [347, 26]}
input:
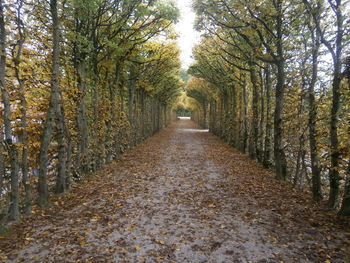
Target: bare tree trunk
{"type": "Point", "coordinates": [334, 177]}
{"type": "Point", "coordinates": [115, 111]}
{"type": "Point", "coordinates": [211, 116]}
{"type": "Point", "coordinates": [204, 106]}
{"type": "Point", "coordinates": [110, 123]}
{"type": "Point", "coordinates": [300, 157]}
{"type": "Point", "coordinates": [54, 110]}
{"type": "Point", "coordinates": [82, 126]}
{"type": "Point", "coordinates": [315, 163]}
{"type": "Point", "coordinates": [224, 115]}
{"type": "Point", "coordinates": [17, 54]}
{"type": "Point", "coordinates": [158, 116]}
{"type": "Point", "coordinates": [63, 177]}
{"type": "Point", "coordinates": [245, 117]}
{"type": "Point", "coordinates": [62, 150]}
{"type": "Point", "coordinates": [345, 207]}
{"type": "Point", "coordinates": [262, 118]}
{"type": "Point", "coordinates": [335, 48]}
{"type": "Point", "coordinates": [267, 140]}
{"type": "Point", "coordinates": [234, 117]}
{"type": "Point", "coordinates": [131, 103]}
{"type": "Point", "coordinates": [143, 115]}
{"type": "Point", "coordinates": [96, 127]}
{"type": "Point", "coordinates": [68, 180]}
{"type": "Point", "coordinates": [280, 158]}
{"type": "Point", "coordinates": [113, 88]}
{"type": "Point", "coordinates": [255, 147]}
{"type": "Point", "coordinates": [220, 117]}
{"type": "Point", "coordinates": [10, 146]}
{"type": "Point", "coordinates": [24, 162]}
{"type": "Point", "coordinates": [2, 162]}
{"type": "Point", "coordinates": [43, 198]}
{"type": "Point", "coordinates": [296, 178]}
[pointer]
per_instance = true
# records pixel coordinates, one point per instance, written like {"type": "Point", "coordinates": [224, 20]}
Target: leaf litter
{"type": "Point", "coordinates": [181, 196]}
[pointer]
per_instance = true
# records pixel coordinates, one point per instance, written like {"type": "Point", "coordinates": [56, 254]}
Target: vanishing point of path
{"type": "Point", "coordinates": [181, 196]}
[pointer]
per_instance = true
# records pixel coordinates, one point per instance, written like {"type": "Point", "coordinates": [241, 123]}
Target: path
{"type": "Point", "coordinates": [181, 196]}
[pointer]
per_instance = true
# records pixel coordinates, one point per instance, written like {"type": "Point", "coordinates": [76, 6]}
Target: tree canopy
{"type": "Point", "coordinates": [81, 83]}
{"type": "Point", "coordinates": [273, 75]}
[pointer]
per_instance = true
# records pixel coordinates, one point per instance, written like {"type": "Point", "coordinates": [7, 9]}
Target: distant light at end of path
{"type": "Point", "coordinates": [188, 37]}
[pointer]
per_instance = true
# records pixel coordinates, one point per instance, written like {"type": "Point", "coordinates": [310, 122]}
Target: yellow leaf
{"type": "Point", "coordinates": [137, 248]}
{"type": "Point", "coordinates": [274, 239]}
{"type": "Point", "coordinates": [94, 219]}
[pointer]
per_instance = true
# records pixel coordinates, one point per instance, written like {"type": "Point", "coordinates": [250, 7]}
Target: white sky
{"type": "Point", "coordinates": [188, 37]}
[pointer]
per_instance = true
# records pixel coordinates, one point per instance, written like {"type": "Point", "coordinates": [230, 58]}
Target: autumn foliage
{"type": "Point", "coordinates": [82, 82]}
{"type": "Point", "coordinates": [272, 79]}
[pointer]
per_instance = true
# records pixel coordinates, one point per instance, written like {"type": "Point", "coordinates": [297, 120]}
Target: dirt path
{"type": "Point", "coordinates": [181, 196]}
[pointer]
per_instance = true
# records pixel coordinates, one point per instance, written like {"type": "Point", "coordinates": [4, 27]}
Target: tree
{"type": "Point", "coordinates": [17, 54]}
{"type": "Point", "coordinates": [280, 46]}
{"type": "Point", "coordinates": [335, 47]}
{"type": "Point", "coordinates": [54, 115]}
{"type": "Point", "coordinates": [10, 146]}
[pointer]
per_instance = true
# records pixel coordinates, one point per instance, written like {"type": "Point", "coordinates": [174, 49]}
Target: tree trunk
{"type": "Point", "coordinates": [158, 116]}
{"type": "Point", "coordinates": [204, 115]}
{"type": "Point", "coordinates": [345, 207]}
{"type": "Point", "coordinates": [131, 103]}
{"type": "Point", "coordinates": [24, 141]}
{"type": "Point", "coordinates": [296, 178]}
{"type": "Point", "coordinates": [335, 47]}
{"type": "Point", "coordinates": [96, 127]}
{"type": "Point", "coordinates": [245, 117]}
{"type": "Point", "coordinates": [62, 150]}
{"type": "Point", "coordinates": [211, 116]}
{"type": "Point", "coordinates": [58, 104]}
{"type": "Point", "coordinates": [68, 180]}
{"type": "Point", "coordinates": [262, 118]}
{"type": "Point", "coordinates": [2, 162]}
{"type": "Point", "coordinates": [143, 116]}
{"type": "Point", "coordinates": [24, 162]}
{"type": "Point", "coordinates": [110, 123]}
{"type": "Point", "coordinates": [267, 140]}
{"type": "Point", "coordinates": [224, 115]}
{"type": "Point", "coordinates": [221, 116]}
{"type": "Point", "coordinates": [336, 51]}
{"type": "Point", "coordinates": [43, 199]}
{"type": "Point", "coordinates": [17, 55]}
{"type": "Point", "coordinates": [280, 159]}
{"type": "Point", "coordinates": [315, 163]}
{"type": "Point", "coordinates": [334, 177]}
{"type": "Point", "coordinates": [255, 147]}
{"type": "Point", "coordinates": [10, 146]}
{"type": "Point", "coordinates": [82, 126]}
{"type": "Point", "coordinates": [54, 110]}
{"type": "Point", "coordinates": [118, 88]}
{"type": "Point", "coordinates": [234, 117]}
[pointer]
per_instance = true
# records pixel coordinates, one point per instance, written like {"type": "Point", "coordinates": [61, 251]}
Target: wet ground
{"type": "Point", "coordinates": [181, 196]}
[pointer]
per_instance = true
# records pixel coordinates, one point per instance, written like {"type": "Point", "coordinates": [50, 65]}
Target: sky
{"type": "Point", "coordinates": [188, 37]}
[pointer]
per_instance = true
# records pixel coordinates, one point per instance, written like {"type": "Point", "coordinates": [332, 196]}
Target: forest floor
{"type": "Point", "coordinates": [181, 196]}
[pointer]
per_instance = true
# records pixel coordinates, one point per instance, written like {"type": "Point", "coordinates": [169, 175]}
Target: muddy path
{"type": "Point", "coordinates": [181, 196]}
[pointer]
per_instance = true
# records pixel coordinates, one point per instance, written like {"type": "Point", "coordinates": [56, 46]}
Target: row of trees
{"type": "Point", "coordinates": [272, 78]}
{"type": "Point", "coordinates": [81, 82]}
